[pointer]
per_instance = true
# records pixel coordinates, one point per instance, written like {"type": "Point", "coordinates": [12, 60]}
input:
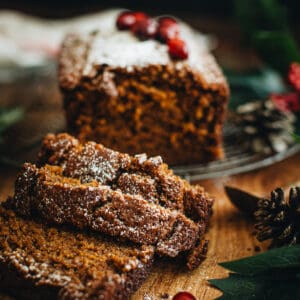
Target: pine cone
{"type": "Point", "coordinates": [266, 129]}
{"type": "Point", "coordinates": [279, 219]}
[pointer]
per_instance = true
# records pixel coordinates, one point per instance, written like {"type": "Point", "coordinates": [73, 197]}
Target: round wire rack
{"type": "Point", "coordinates": [238, 158]}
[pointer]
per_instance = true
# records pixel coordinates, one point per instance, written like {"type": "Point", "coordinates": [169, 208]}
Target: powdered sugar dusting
{"type": "Point", "coordinates": [122, 49]}
{"type": "Point", "coordinates": [114, 48]}
{"type": "Point", "coordinates": [132, 184]}
{"type": "Point", "coordinates": [75, 264]}
{"type": "Point", "coordinates": [136, 198]}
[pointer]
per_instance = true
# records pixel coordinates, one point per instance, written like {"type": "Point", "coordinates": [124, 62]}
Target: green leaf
{"type": "Point", "coordinates": [236, 286]}
{"type": "Point", "coordinates": [277, 48]}
{"type": "Point", "coordinates": [9, 117]}
{"type": "Point", "coordinates": [265, 23]}
{"type": "Point", "coordinates": [285, 257]}
{"type": "Point", "coordinates": [245, 287]}
{"type": "Point", "coordinates": [256, 15]}
{"type": "Point", "coordinates": [296, 138]}
{"type": "Point", "coordinates": [252, 85]}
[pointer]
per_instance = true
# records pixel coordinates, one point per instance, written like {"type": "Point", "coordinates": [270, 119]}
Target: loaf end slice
{"type": "Point", "coordinates": [44, 262]}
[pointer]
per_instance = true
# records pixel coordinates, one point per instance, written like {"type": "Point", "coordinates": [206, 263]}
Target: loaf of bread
{"type": "Point", "coordinates": [130, 95]}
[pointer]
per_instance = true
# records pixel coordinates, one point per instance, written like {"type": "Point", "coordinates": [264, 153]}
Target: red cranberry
{"type": "Point", "coordinates": [178, 49]}
{"type": "Point", "coordinates": [287, 102]}
{"type": "Point", "coordinates": [140, 16]}
{"type": "Point", "coordinates": [168, 29]}
{"type": "Point", "coordinates": [166, 21]}
{"type": "Point", "coordinates": [127, 19]}
{"type": "Point", "coordinates": [145, 29]}
{"type": "Point", "coordinates": [294, 76]}
{"type": "Point", "coordinates": [184, 296]}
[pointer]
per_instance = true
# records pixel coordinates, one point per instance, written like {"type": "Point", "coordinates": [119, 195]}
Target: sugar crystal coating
{"type": "Point", "coordinates": [137, 176]}
{"type": "Point", "coordinates": [39, 261]}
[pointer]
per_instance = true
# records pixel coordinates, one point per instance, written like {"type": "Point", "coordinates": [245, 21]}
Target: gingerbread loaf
{"type": "Point", "coordinates": [63, 200]}
{"type": "Point", "coordinates": [129, 94]}
{"type": "Point", "coordinates": [147, 181]}
{"type": "Point", "coordinates": [44, 262]}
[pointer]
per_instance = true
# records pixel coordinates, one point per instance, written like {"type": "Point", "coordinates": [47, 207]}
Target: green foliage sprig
{"type": "Point", "coordinates": [274, 274]}
{"type": "Point", "coordinates": [265, 23]}
{"type": "Point", "coordinates": [8, 117]}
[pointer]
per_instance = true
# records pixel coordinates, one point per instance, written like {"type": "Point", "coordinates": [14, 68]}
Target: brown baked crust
{"type": "Point", "coordinates": [137, 175]}
{"type": "Point", "coordinates": [175, 110]}
{"type": "Point", "coordinates": [62, 200]}
{"type": "Point", "coordinates": [42, 262]}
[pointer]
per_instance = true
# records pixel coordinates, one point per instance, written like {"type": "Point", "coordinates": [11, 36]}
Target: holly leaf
{"type": "Point", "coordinates": [274, 274]}
{"type": "Point", "coordinates": [9, 117]}
{"type": "Point", "coordinates": [283, 258]}
{"type": "Point", "coordinates": [277, 48]}
{"type": "Point", "coordinates": [265, 24]}
{"type": "Point", "coordinates": [255, 15]}
{"type": "Point", "coordinates": [238, 286]}
{"type": "Point", "coordinates": [296, 138]}
{"type": "Point", "coordinates": [254, 84]}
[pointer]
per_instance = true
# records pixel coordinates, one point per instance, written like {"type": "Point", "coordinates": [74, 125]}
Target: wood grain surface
{"type": "Point", "coordinates": [231, 233]}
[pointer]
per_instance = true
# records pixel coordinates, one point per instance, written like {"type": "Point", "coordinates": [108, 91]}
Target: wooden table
{"type": "Point", "coordinates": [230, 234]}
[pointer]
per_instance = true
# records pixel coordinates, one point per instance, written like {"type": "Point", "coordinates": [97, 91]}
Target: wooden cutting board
{"type": "Point", "coordinates": [230, 234]}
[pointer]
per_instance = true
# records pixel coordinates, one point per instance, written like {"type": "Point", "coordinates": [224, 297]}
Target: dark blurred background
{"type": "Point", "coordinates": [214, 16]}
{"type": "Point", "coordinates": [230, 26]}
{"type": "Point", "coordinates": [60, 9]}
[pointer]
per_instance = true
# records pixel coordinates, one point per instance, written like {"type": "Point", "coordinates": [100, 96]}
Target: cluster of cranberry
{"type": "Point", "coordinates": [165, 29]}
{"type": "Point", "coordinates": [290, 101]}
